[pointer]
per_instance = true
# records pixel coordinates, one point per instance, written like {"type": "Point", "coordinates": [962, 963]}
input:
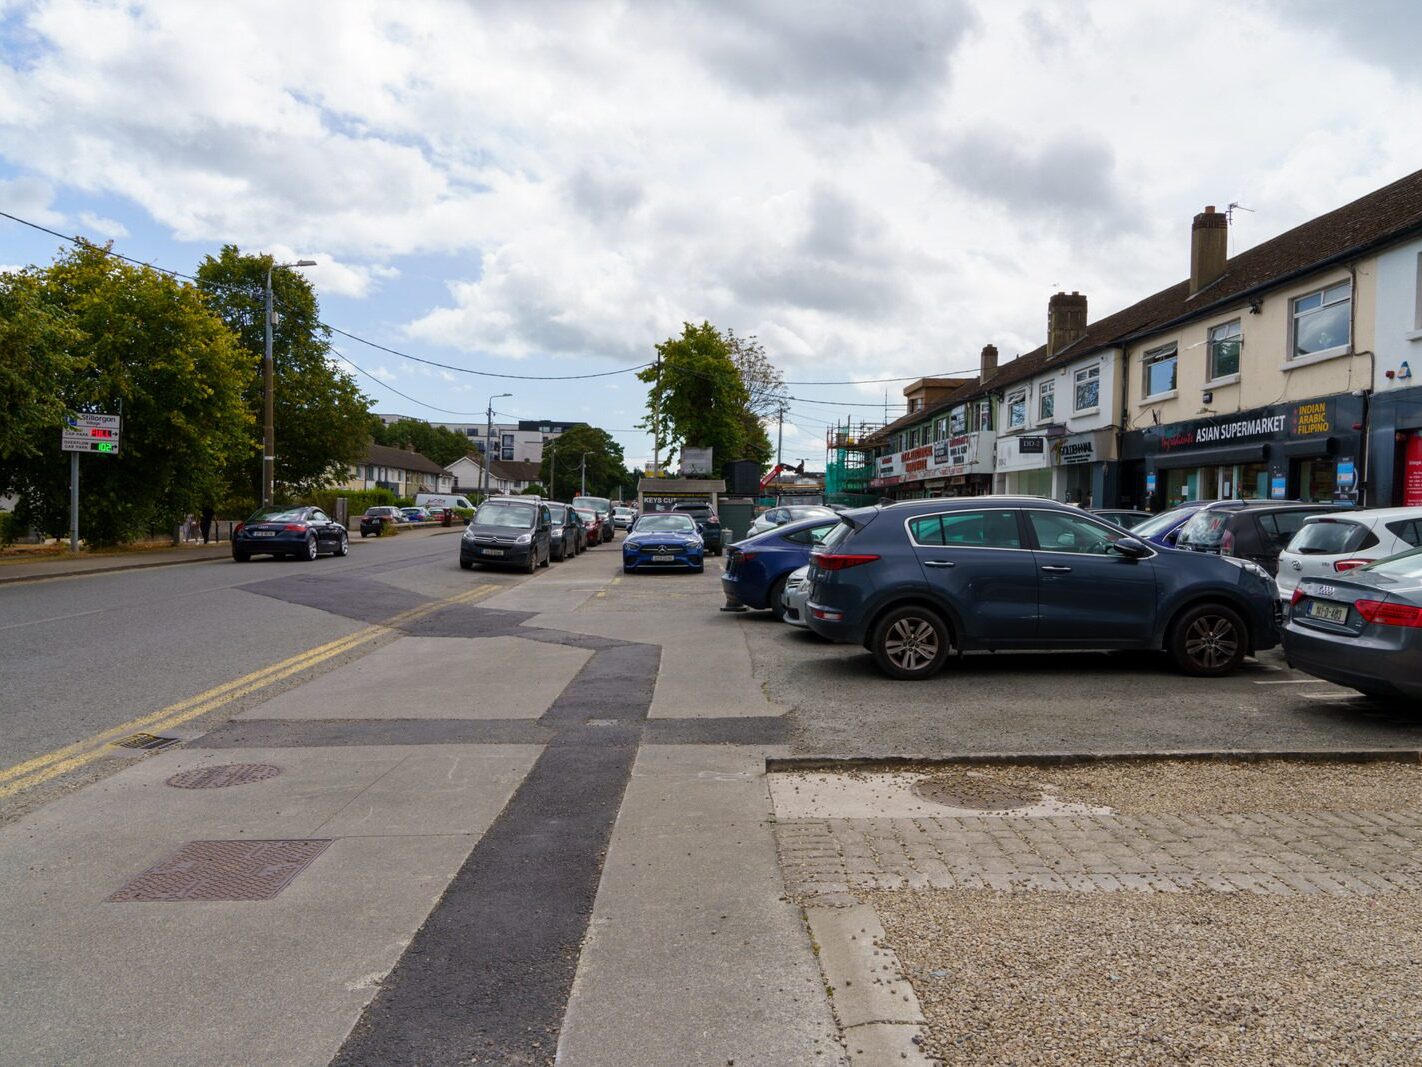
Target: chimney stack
{"type": "Point", "coordinates": [1066, 320]}
{"type": "Point", "coordinates": [988, 367]}
{"type": "Point", "coordinates": [1209, 248]}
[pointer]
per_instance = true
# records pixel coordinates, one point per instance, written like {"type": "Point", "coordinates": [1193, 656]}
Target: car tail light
{"type": "Point", "coordinates": [239, 527]}
{"type": "Point", "coordinates": [296, 527]}
{"type": "Point", "coordinates": [1298, 595]}
{"type": "Point", "coordinates": [1227, 543]}
{"type": "Point", "coordinates": [746, 555]}
{"type": "Point", "coordinates": [1350, 564]}
{"type": "Point", "coordinates": [1385, 614]}
{"type": "Point", "coordinates": [841, 561]}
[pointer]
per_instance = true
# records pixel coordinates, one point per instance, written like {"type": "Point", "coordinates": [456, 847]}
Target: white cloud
{"type": "Point", "coordinates": [102, 226]}
{"type": "Point", "coordinates": [331, 276]}
{"type": "Point", "coordinates": [30, 198]}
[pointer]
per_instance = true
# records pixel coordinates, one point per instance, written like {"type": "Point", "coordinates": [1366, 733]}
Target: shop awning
{"type": "Point", "coordinates": [1211, 457]}
{"type": "Point", "coordinates": [1317, 446]}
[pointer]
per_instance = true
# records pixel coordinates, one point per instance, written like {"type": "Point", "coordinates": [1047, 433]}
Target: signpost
{"type": "Point", "coordinates": [86, 433]}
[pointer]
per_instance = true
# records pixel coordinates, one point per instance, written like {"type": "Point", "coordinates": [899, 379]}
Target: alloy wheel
{"type": "Point", "coordinates": [311, 550]}
{"type": "Point", "coordinates": [911, 644]}
{"type": "Point", "coordinates": [1212, 641]}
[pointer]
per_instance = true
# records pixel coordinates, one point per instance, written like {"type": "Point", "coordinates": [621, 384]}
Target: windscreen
{"type": "Point", "coordinates": [503, 513]}
{"type": "Point", "coordinates": [1206, 528]}
{"type": "Point", "coordinates": [1328, 538]}
{"type": "Point", "coordinates": [665, 524]}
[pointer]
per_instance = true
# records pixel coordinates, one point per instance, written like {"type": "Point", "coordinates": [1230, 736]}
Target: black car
{"type": "Point", "coordinates": [708, 524]}
{"type": "Point", "coordinates": [567, 535]}
{"type": "Point", "coordinates": [377, 519]}
{"type": "Point", "coordinates": [301, 533]}
{"type": "Point", "coordinates": [508, 531]}
{"type": "Point", "coordinates": [917, 581]}
{"type": "Point", "coordinates": [1257, 532]}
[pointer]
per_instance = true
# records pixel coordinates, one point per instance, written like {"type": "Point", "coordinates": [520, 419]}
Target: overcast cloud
{"type": "Point", "coordinates": [546, 188]}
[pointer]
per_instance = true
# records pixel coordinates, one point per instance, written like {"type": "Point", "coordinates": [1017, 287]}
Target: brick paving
{"type": "Point", "coordinates": [1337, 853]}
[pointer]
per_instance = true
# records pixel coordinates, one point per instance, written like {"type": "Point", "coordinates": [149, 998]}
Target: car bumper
{"type": "Point", "coordinates": [741, 594]}
{"type": "Point", "coordinates": [680, 561]}
{"type": "Point", "coordinates": [281, 545]}
{"type": "Point", "coordinates": [1388, 663]}
{"type": "Point", "coordinates": [507, 555]}
{"type": "Point", "coordinates": [831, 623]}
{"type": "Point", "coordinates": [796, 606]}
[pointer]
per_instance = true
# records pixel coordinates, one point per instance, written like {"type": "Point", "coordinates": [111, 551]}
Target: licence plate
{"type": "Point", "coordinates": [263, 533]}
{"type": "Point", "coordinates": [1317, 609]}
{"type": "Point", "coordinates": [663, 559]}
{"type": "Point", "coordinates": [492, 551]}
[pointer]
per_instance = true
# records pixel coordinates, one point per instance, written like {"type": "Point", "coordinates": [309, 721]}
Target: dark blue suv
{"type": "Point", "coordinates": [916, 581]}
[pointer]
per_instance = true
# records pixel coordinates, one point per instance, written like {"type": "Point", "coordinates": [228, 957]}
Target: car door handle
{"type": "Point", "coordinates": [938, 563]}
{"type": "Point", "coordinates": [1056, 570]}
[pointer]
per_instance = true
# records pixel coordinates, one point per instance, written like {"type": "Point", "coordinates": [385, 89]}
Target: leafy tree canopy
{"type": "Point", "coordinates": [562, 463]}
{"type": "Point", "coordinates": [438, 443]}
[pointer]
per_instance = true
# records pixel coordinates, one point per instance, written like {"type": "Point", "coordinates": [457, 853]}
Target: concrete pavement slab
{"type": "Point", "coordinates": [436, 678]}
{"type": "Point", "coordinates": [555, 591]}
{"type": "Point", "coordinates": [693, 955]}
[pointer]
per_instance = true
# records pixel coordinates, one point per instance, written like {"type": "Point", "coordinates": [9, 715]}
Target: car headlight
{"type": "Point", "coordinates": [523, 539]}
{"type": "Point", "coordinates": [696, 542]}
{"type": "Point", "coordinates": [468, 533]}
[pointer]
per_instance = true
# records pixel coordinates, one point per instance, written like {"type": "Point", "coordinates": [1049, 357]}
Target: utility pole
{"type": "Point", "coordinates": [553, 471]}
{"type": "Point", "coordinates": [269, 391]}
{"type": "Point", "coordinates": [583, 473]}
{"type": "Point", "coordinates": [489, 439]}
{"type": "Point", "coordinates": [780, 433]}
{"type": "Point", "coordinates": [656, 421]}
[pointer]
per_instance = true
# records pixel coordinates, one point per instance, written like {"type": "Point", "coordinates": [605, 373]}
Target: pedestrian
{"type": "Point", "coordinates": [207, 514]}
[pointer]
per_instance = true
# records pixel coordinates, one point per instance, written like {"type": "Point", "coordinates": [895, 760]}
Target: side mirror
{"type": "Point", "coordinates": [1131, 548]}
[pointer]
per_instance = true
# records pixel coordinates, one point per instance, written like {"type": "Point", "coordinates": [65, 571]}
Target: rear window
{"type": "Point", "coordinates": [812, 535]}
{"type": "Point", "coordinates": [1330, 537]}
{"type": "Point", "coordinates": [1206, 528]}
{"type": "Point", "coordinates": [1409, 530]}
{"type": "Point", "coordinates": [837, 536]}
{"type": "Point", "coordinates": [1280, 526]}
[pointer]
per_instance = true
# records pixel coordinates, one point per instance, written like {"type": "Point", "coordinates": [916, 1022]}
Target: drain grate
{"type": "Point", "coordinates": [223, 870]}
{"type": "Point", "coordinates": [222, 776]}
{"type": "Point", "coordinates": [148, 741]}
{"type": "Point", "coordinates": [980, 794]}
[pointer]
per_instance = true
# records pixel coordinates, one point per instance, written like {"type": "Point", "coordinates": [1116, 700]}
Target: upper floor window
{"type": "Point", "coordinates": [1224, 350]}
{"type": "Point", "coordinates": [1046, 401]}
{"type": "Point", "coordinates": [1321, 321]}
{"type": "Point", "coordinates": [1160, 364]}
{"type": "Point", "coordinates": [958, 420]}
{"type": "Point", "coordinates": [914, 404]}
{"type": "Point", "coordinates": [941, 430]}
{"type": "Point", "coordinates": [984, 415]}
{"type": "Point", "coordinates": [912, 439]}
{"type": "Point", "coordinates": [1088, 388]}
{"type": "Point", "coordinates": [1017, 409]}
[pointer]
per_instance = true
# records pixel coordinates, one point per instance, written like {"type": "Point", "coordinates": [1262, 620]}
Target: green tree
{"type": "Point", "coordinates": [142, 344]}
{"type": "Point", "coordinates": [322, 418]}
{"type": "Point", "coordinates": [698, 397]}
{"type": "Point", "coordinates": [438, 443]}
{"type": "Point", "coordinates": [562, 458]}
{"type": "Point", "coordinates": [39, 346]}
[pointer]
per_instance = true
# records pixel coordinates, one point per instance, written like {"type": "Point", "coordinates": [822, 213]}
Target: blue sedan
{"type": "Point", "coordinates": [663, 541]}
{"type": "Point", "coordinates": [757, 568]}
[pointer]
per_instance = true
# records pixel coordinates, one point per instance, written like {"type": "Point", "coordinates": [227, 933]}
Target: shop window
{"type": "Point", "coordinates": [1321, 321]}
{"type": "Point", "coordinates": [1046, 401]}
{"type": "Point", "coordinates": [1088, 388]}
{"type": "Point", "coordinates": [1017, 410]}
{"type": "Point", "coordinates": [958, 421]}
{"type": "Point", "coordinates": [1224, 350]}
{"type": "Point", "coordinates": [1160, 366]}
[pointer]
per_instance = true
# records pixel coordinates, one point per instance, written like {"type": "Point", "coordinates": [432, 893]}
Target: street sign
{"type": "Point", "coordinates": [91, 433]}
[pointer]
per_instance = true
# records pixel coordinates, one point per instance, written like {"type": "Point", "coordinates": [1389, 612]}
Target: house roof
{"type": "Point", "coordinates": [1381, 217]}
{"type": "Point", "coordinates": [401, 458]}
{"type": "Point", "coordinates": [515, 470]}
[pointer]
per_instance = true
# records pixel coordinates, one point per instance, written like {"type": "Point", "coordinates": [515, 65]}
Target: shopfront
{"type": "Point", "coordinates": [960, 465]}
{"type": "Point", "coordinates": [1024, 465]}
{"type": "Point", "coordinates": [1395, 438]}
{"type": "Point", "coordinates": [1310, 450]}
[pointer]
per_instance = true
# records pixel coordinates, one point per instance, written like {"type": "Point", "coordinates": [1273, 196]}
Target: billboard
{"type": "Point", "coordinates": [696, 462]}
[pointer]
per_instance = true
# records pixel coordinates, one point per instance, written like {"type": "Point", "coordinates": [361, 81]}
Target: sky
{"type": "Point", "coordinates": [550, 189]}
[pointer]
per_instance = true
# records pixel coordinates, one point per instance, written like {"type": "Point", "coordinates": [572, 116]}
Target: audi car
{"type": "Point", "coordinates": [663, 541]}
{"type": "Point", "coordinates": [301, 533]}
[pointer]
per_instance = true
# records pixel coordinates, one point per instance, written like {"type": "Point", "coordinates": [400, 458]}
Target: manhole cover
{"type": "Point", "coordinates": [225, 775]}
{"type": "Point", "coordinates": [981, 794]}
{"type": "Point", "coordinates": [148, 741]}
{"type": "Point", "coordinates": [223, 870]}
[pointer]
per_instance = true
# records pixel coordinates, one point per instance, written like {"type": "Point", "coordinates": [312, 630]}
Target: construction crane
{"type": "Point", "coordinates": [779, 469]}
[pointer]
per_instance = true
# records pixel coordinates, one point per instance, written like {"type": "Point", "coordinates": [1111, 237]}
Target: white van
{"type": "Point", "coordinates": [440, 501]}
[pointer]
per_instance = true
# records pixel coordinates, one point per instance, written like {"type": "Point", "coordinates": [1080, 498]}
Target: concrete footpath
{"type": "Point", "coordinates": [551, 848]}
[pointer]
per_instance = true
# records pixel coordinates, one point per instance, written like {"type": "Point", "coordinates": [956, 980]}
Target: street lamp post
{"type": "Point", "coordinates": [583, 472]}
{"type": "Point", "coordinates": [269, 391]}
{"type": "Point", "coordinates": [489, 438]}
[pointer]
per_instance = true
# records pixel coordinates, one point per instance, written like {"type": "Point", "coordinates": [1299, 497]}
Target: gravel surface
{"type": "Point", "coordinates": [1218, 787]}
{"type": "Point", "coordinates": [1200, 979]}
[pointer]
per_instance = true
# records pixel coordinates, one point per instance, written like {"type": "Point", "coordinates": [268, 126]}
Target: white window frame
{"type": "Point", "coordinates": [1293, 358]}
{"type": "Point", "coordinates": [984, 420]}
{"type": "Point", "coordinates": [940, 429]}
{"type": "Point", "coordinates": [1160, 355]}
{"type": "Point", "coordinates": [1083, 376]}
{"type": "Point", "coordinates": [1046, 390]}
{"type": "Point", "coordinates": [1211, 378]}
{"type": "Point", "coordinates": [1017, 396]}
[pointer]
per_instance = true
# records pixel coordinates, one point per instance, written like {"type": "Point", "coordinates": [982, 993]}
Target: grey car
{"type": "Point", "coordinates": [796, 596]}
{"type": "Point", "coordinates": [1362, 629]}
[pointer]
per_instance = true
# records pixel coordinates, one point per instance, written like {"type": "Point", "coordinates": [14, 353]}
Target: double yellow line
{"type": "Point", "coordinates": [33, 772]}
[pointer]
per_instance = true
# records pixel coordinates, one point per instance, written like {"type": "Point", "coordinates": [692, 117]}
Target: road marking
{"type": "Point", "coordinates": [41, 769]}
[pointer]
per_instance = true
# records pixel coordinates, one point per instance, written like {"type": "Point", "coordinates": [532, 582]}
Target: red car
{"type": "Point", "coordinates": [592, 522]}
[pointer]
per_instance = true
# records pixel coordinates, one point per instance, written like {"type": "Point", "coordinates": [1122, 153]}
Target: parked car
{"type": "Point", "coordinates": [914, 582]}
{"type": "Point", "coordinates": [563, 533]}
{"type": "Point", "coordinates": [1254, 530]}
{"type": "Point", "coordinates": [1164, 528]}
{"type": "Point", "coordinates": [1362, 629]}
{"type": "Point", "coordinates": [603, 506]}
{"type": "Point", "coordinates": [779, 516]}
{"type": "Point", "coordinates": [301, 533]}
{"type": "Point", "coordinates": [1329, 545]}
{"type": "Point", "coordinates": [707, 524]}
{"type": "Point", "coordinates": [376, 519]}
{"type": "Point", "coordinates": [1125, 518]}
{"type": "Point", "coordinates": [592, 525]}
{"type": "Point", "coordinates": [414, 514]}
{"type": "Point", "coordinates": [508, 531]}
{"type": "Point", "coordinates": [622, 518]}
{"type": "Point", "coordinates": [663, 540]}
{"type": "Point", "coordinates": [758, 568]}
{"type": "Point", "coordinates": [796, 596]}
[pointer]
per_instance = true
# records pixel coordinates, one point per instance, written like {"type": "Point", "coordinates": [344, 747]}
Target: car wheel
{"type": "Point", "coordinates": [532, 564]}
{"type": "Point", "coordinates": [466, 564]}
{"type": "Point", "coordinates": [1208, 640]}
{"type": "Point", "coordinates": [910, 643]}
{"type": "Point", "coordinates": [343, 546]}
{"type": "Point", "coordinates": [312, 548]}
{"type": "Point", "coordinates": [364, 535]}
{"type": "Point", "coordinates": [626, 569]}
{"type": "Point", "coordinates": [777, 590]}
{"type": "Point", "coordinates": [240, 556]}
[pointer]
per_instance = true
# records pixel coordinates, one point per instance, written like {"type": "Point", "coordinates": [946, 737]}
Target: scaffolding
{"type": "Point", "coordinates": [849, 462]}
